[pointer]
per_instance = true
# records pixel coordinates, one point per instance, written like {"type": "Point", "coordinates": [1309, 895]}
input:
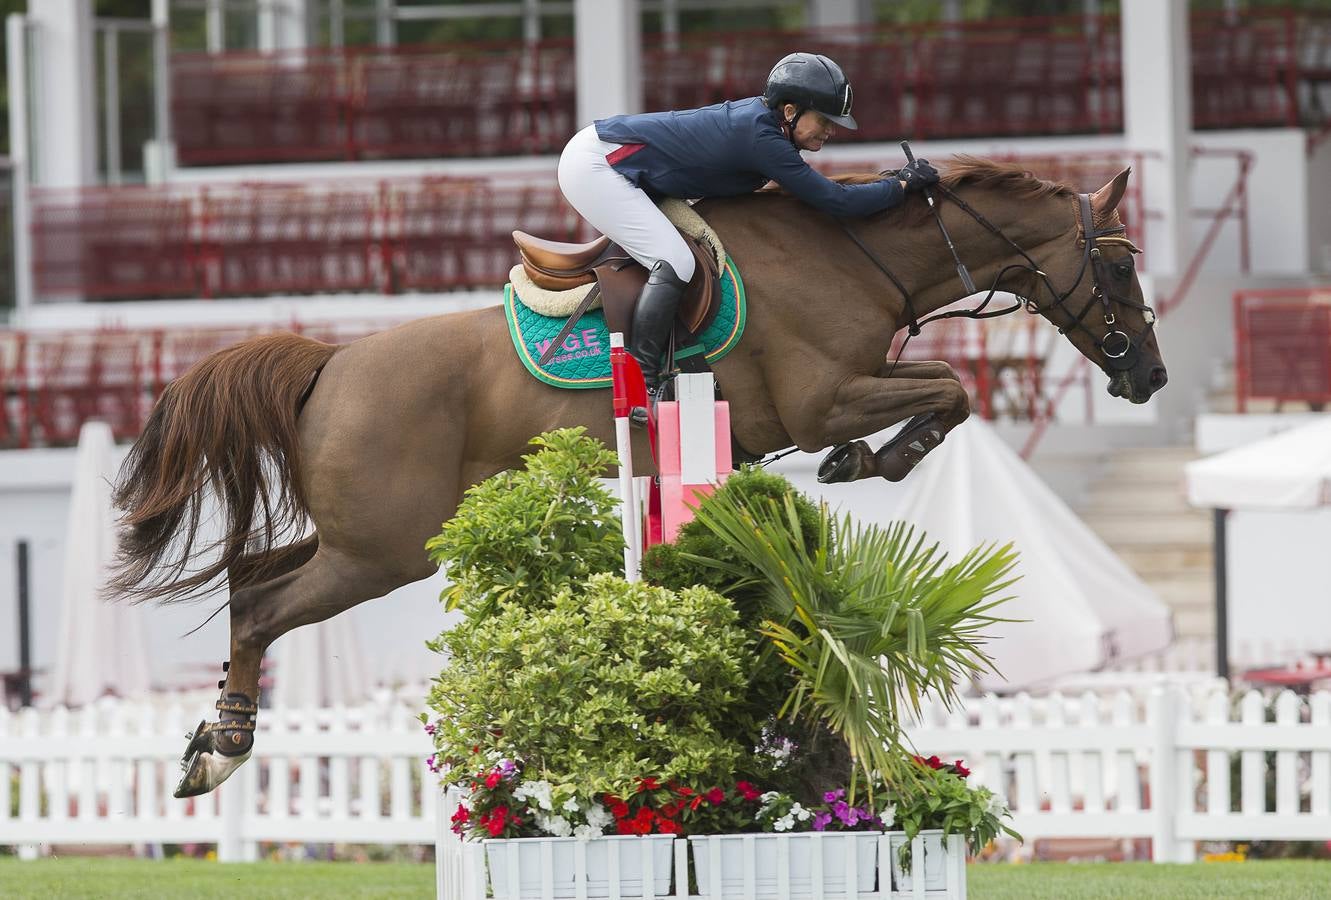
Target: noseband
{"type": "Point", "coordinates": [1121, 349]}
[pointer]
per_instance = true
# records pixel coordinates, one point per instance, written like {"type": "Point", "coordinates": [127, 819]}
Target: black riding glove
{"type": "Point", "coordinates": [918, 175]}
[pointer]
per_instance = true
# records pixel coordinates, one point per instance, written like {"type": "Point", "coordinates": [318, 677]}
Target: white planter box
{"type": "Point", "coordinates": [780, 866]}
{"type": "Point", "coordinates": [933, 868]}
{"type": "Point", "coordinates": [537, 868]}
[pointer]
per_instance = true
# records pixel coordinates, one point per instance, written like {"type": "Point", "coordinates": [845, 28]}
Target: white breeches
{"type": "Point", "coordinates": [616, 207]}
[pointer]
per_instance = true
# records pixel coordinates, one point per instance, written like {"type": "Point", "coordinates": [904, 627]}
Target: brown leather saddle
{"type": "Point", "coordinates": [619, 278]}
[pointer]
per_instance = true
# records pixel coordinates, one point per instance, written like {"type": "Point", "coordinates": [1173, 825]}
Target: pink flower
{"type": "Point", "coordinates": [429, 728]}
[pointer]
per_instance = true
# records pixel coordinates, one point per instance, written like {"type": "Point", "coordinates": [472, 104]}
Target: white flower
{"type": "Point", "coordinates": [888, 815]}
{"type": "Point", "coordinates": [799, 812]}
{"type": "Point", "coordinates": [769, 797]}
{"type": "Point", "coordinates": [535, 790]}
{"type": "Point", "coordinates": [556, 826]}
{"type": "Point", "coordinates": [997, 806]}
{"type": "Point", "coordinates": [785, 823]}
{"type": "Point", "coordinates": [571, 805]}
{"type": "Point", "coordinates": [598, 817]}
{"type": "Point", "coordinates": [586, 832]}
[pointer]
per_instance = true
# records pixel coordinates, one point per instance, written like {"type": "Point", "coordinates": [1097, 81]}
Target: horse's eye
{"type": "Point", "coordinates": [1122, 271]}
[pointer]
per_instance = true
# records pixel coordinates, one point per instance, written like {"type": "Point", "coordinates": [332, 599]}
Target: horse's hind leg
{"type": "Point", "coordinates": [325, 584]}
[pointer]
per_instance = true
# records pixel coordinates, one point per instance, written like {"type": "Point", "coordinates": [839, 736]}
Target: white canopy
{"type": "Point", "coordinates": [103, 646]}
{"type": "Point", "coordinates": [1290, 470]}
{"type": "Point", "coordinates": [1084, 606]}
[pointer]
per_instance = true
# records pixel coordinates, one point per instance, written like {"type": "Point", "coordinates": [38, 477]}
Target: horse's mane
{"type": "Point", "coordinates": [962, 170]}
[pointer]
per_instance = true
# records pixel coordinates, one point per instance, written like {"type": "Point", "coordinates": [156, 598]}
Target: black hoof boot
{"type": "Point", "coordinates": [903, 453]}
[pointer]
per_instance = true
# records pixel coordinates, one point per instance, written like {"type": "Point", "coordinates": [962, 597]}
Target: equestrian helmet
{"type": "Point", "coordinates": [811, 81]}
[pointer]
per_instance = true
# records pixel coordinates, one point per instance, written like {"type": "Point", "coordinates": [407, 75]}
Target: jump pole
{"type": "Point", "coordinates": [623, 372]}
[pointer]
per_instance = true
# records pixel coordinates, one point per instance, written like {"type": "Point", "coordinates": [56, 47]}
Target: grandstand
{"type": "Point", "coordinates": [225, 167]}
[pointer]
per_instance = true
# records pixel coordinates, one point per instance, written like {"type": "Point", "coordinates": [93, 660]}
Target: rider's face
{"type": "Point", "coordinates": [811, 130]}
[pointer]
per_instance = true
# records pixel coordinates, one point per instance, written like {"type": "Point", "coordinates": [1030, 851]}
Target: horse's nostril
{"type": "Point", "coordinates": [1158, 378]}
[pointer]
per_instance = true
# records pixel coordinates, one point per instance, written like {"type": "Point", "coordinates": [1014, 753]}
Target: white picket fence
{"type": "Point", "coordinates": [1122, 765]}
{"type": "Point", "coordinates": [104, 774]}
{"type": "Point", "coordinates": [1158, 766]}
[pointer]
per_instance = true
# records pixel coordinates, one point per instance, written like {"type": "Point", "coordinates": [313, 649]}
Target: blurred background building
{"type": "Point", "coordinates": [182, 174]}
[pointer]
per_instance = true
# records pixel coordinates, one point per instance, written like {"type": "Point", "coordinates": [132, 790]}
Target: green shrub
{"type": "Point", "coordinates": [523, 535]}
{"type": "Point", "coordinates": [609, 683]}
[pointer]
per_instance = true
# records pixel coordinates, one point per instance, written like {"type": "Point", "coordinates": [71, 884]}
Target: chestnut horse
{"type": "Point", "coordinates": [375, 442]}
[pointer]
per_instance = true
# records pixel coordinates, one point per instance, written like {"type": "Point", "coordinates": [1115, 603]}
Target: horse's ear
{"type": "Point", "coordinates": [1105, 200]}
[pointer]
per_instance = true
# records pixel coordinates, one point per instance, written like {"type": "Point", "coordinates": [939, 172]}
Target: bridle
{"type": "Point", "coordinates": [1121, 348]}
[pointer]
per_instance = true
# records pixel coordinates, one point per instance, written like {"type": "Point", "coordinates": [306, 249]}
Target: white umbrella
{"type": "Point", "coordinates": [103, 646]}
{"type": "Point", "coordinates": [1287, 472]}
{"type": "Point", "coordinates": [320, 665]}
{"type": "Point", "coordinates": [1290, 470]}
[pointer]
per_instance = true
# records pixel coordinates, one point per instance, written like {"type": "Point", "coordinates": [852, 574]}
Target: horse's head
{"type": "Point", "coordinates": [1092, 294]}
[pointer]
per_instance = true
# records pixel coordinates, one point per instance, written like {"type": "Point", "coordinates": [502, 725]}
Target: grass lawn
{"type": "Point", "coordinates": [59, 879]}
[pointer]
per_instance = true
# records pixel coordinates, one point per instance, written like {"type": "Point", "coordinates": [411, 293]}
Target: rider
{"type": "Point", "coordinates": [613, 169]}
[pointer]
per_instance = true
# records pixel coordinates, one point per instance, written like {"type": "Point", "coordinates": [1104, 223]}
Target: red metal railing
{"type": "Point", "coordinates": [1006, 77]}
{"type": "Point", "coordinates": [384, 236]}
{"type": "Point", "coordinates": [1283, 346]}
{"type": "Point", "coordinates": [53, 382]}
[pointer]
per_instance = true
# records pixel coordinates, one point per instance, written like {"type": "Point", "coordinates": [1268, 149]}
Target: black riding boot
{"type": "Point", "coordinates": [654, 319]}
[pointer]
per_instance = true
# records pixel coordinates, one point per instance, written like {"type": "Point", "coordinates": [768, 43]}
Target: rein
{"type": "Point", "coordinates": [1120, 349]}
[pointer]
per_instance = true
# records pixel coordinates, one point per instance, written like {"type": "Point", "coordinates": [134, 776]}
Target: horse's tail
{"type": "Point", "coordinates": [228, 424]}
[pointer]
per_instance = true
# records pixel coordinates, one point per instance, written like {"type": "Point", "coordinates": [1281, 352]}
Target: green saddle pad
{"type": "Point", "coordinates": [585, 360]}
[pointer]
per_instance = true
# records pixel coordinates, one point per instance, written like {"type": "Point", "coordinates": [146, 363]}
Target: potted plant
{"type": "Point", "coordinates": [747, 697]}
{"type": "Point", "coordinates": [936, 804]}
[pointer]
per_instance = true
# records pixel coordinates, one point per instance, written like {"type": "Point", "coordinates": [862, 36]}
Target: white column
{"type": "Point", "coordinates": [608, 42]}
{"type": "Point", "coordinates": [15, 33]}
{"type": "Point", "coordinates": [835, 13]}
{"type": "Point", "coordinates": [282, 24]}
{"type": "Point", "coordinates": [159, 154]}
{"type": "Point", "coordinates": [1157, 120]}
{"type": "Point", "coordinates": [65, 126]}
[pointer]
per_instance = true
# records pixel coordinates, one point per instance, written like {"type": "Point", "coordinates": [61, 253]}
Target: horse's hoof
{"type": "Point", "coordinates": [903, 453]}
{"type": "Point", "coordinates": [847, 462]}
{"type": "Point", "coordinates": [205, 771]}
{"type": "Point", "coordinates": [205, 768]}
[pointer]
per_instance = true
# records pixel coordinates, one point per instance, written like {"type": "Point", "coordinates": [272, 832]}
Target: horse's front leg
{"type": "Point", "coordinates": [934, 404]}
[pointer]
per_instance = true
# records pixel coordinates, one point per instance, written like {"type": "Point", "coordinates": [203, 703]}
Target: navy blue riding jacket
{"type": "Point", "coordinates": [727, 149]}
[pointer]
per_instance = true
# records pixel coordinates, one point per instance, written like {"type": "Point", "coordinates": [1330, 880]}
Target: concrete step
{"type": "Point", "coordinates": [1155, 466]}
{"type": "Point", "coordinates": [1194, 623]}
{"type": "Point", "coordinates": [1131, 529]}
{"type": "Point", "coordinates": [1166, 560]}
{"type": "Point", "coordinates": [1185, 589]}
{"type": "Point", "coordinates": [1140, 498]}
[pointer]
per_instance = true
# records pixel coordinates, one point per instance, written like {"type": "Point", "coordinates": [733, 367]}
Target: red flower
{"type": "Point", "coordinates": [684, 792]}
{"type": "Point", "coordinates": [624, 826]}
{"type": "Point", "coordinates": [640, 826]}
{"type": "Point", "coordinates": [461, 814]}
{"type": "Point", "coordinates": [619, 810]}
{"type": "Point", "coordinates": [644, 815]}
{"type": "Point", "coordinates": [934, 762]}
{"type": "Point", "coordinates": [648, 784]}
{"type": "Point", "coordinates": [492, 780]}
{"type": "Point", "coordinates": [670, 810]}
{"type": "Point", "coordinates": [666, 826]}
{"type": "Point", "coordinates": [959, 769]}
{"type": "Point", "coordinates": [476, 749]}
{"type": "Point", "coordinates": [716, 796]}
{"type": "Point", "coordinates": [748, 791]}
{"type": "Point", "coordinates": [496, 824]}
{"type": "Point", "coordinates": [695, 803]}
